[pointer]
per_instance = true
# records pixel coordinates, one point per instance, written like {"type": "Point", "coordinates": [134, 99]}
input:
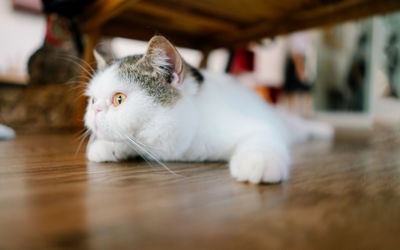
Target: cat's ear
{"type": "Point", "coordinates": [165, 57]}
{"type": "Point", "coordinates": [101, 62]}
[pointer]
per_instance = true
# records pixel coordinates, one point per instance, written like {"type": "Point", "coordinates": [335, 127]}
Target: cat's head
{"type": "Point", "coordinates": [129, 94]}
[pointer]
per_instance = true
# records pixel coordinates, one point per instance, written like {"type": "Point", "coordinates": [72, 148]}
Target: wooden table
{"type": "Point", "coordinates": [340, 197]}
{"type": "Point", "coordinates": [208, 24]}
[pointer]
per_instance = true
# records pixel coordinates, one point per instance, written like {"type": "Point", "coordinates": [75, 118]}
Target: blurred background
{"type": "Point", "coordinates": [346, 73]}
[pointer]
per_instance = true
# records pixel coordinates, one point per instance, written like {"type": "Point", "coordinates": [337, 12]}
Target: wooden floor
{"type": "Point", "coordinates": [340, 197]}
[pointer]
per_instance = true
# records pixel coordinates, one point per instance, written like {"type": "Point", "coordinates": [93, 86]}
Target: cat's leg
{"type": "Point", "coordinates": [260, 158]}
{"type": "Point", "coordinates": [99, 150]}
{"type": "Point", "coordinates": [302, 129]}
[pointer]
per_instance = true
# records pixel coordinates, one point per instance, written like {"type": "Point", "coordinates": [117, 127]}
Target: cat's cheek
{"type": "Point", "coordinates": [89, 122]}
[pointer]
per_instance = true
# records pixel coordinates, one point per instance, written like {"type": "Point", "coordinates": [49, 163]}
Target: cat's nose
{"type": "Point", "coordinates": [99, 106]}
{"type": "Point", "coordinates": [97, 109]}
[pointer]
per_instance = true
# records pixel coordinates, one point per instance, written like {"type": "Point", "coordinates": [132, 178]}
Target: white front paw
{"type": "Point", "coordinates": [100, 152]}
{"type": "Point", "coordinates": [259, 166]}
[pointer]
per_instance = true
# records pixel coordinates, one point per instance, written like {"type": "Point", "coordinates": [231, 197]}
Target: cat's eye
{"type": "Point", "coordinates": [118, 98]}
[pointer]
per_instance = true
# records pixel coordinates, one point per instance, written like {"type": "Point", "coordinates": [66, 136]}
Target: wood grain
{"type": "Point", "coordinates": [312, 15]}
{"type": "Point", "coordinates": [102, 11]}
{"type": "Point", "coordinates": [338, 197]}
{"type": "Point", "coordinates": [223, 23]}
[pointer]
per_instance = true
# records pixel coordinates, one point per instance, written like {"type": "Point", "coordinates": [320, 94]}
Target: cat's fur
{"type": "Point", "coordinates": [173, 112]}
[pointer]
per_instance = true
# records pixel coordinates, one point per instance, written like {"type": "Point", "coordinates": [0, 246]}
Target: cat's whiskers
{"type": "Point", "coordinates": [78, 84]}
{"type": "Point", "coordinates": [139, 149]}
{"type": "Point", "coordinates": [84, 134]}
{"type": "Point", "coordinates": [73, 59]}
{"type": "Point", "coordinates": [81, 78]}
{"type": "Point", "coordinates": [78, 95]}
{"type": "Point", "coordinates": [144, 145]}
{"type": "Point", "coordinates": [84, 62]}
{"type": "Point", "coordinates": [152, 155]}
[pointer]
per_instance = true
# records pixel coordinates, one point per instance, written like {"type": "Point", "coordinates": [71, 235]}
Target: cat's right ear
{"type": "Point", "coordinates": [101, 62]}
{"type": "Point", "coordinates": [165, 58]}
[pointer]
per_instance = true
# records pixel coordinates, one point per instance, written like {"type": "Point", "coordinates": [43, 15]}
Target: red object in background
{"type": "Point", "coordinates": [49, 37]}
{"type": "Point", "coordinates": [33, 6]}
{"type": "Point", "coordinates": [242, 61]}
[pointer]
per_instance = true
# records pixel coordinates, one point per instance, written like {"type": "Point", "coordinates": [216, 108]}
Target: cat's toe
{"type": "Point", "coordinates": [257, 167]}
{"type": "Point", "coordinates": [276, 169]}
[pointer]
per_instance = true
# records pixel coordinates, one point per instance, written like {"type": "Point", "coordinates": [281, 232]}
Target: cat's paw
{"type": "Point", "coordinates": [100, 152]}
{"type": "Point", "coordinates": [259, 166]}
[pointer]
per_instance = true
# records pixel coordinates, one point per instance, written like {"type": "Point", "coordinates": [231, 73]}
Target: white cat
{"type": "Point", "coordinates": [158, 106]}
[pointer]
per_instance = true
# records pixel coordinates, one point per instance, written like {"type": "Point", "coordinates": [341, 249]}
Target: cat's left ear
{"type": "Point", "coordinates": [165, 57]}
{"type": "Point", "coordinates": [101, 62]}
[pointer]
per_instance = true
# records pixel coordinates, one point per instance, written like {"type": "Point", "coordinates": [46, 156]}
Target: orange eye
{"type": "Point", "coordinates": [118, 98]}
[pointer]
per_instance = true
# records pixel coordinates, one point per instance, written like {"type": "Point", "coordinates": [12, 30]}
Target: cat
{"type": "Point", "coordinates": [158, 106]}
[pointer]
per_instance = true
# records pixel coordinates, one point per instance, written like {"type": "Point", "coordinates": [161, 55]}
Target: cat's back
{"type": "Point", "coordinates": [228, 111]}
{"type": "Point", "coordinates": [226, 91]}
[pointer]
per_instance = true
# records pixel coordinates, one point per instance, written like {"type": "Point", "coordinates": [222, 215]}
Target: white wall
{"type": "Point", "coordinates": [21, 34]}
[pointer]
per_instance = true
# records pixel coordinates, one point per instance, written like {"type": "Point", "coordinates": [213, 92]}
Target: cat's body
{"type": "Point", "coordinates": [175, 113]}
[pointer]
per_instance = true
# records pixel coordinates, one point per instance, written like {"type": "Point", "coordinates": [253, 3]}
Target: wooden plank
{"type": "Point", "coordinates": [146, 21]}
{"type": "Point", "coordinates": [344, 197]}
{"type": "Point", "coordinates": [190, 19]}
{"type": "Point", "coordinates": [235, 11]}
{"type": "Point", "coordinates": [305, 19]}
{"type": "Point", "coordinates": [182, 18]}
{"type": "Point", "coordinates": [100, 12]}
{"type": "Point", "coordinates": [140, 32]}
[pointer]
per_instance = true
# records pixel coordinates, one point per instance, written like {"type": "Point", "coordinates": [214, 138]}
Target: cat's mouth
{"type": "Point", "coordinates": [96, 128]}
{"type": "Point", "coordinates": [96, 122]}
